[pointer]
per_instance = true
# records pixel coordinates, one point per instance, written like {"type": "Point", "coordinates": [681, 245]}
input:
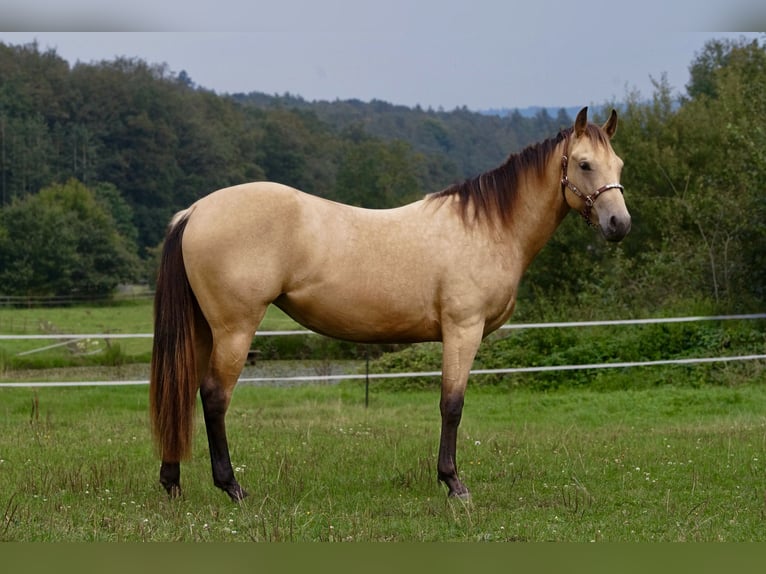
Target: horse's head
{"type": "Point", "coordinates": [590, 178]}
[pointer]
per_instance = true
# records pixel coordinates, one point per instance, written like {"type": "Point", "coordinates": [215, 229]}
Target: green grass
{"type": "Point", "coordinates": [662, 464]}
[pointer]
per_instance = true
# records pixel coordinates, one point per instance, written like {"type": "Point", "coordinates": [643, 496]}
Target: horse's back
{"type": "Point", "coordinates": [240, 206]}
{"type": "Point", "coordinates": [265, 217]}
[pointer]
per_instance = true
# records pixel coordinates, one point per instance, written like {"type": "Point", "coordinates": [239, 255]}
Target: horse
{"type": "Point", "coordinates": [444, 268]}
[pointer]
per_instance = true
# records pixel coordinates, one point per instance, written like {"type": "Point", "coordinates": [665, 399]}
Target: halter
{"type": "Point", "coordinates": [588, 199]}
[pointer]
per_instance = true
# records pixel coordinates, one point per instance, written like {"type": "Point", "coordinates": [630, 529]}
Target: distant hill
{"type": "Point", "coordinates": [470, 142]}
{"type": "Point", "coordinates": [531, 111]}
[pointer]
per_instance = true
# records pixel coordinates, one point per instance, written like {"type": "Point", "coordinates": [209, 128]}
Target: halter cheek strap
{"type": "Point", "coordinates": [589, 200]}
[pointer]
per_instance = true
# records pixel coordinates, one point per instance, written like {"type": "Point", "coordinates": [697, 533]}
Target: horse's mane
{"type": "Point", "coordinates": [492, 194]}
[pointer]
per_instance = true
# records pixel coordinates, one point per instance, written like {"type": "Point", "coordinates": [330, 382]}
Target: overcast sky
{"type": "Point", "coordinates": [435, 53]}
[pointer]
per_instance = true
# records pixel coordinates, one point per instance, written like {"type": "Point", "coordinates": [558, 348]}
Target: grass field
{"type": "Point", "coordinates": [666, 464]}
{"type": "Point", "coordinates": [623, 455]}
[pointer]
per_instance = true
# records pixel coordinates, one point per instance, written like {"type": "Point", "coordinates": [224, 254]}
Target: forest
{"type": "Point", "coordinates": [95, 158]}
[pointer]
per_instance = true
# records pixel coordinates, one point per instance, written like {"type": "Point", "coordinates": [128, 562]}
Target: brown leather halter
{"type": "Point", "coordinates": [588, 199]}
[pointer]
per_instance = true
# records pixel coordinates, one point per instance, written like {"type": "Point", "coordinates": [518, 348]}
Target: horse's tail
{"type": "Point", "coordinates": [173, 380]}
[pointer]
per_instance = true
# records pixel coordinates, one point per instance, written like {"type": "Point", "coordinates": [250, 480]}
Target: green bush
{"type": "Point", "coordinates": [595, 345]}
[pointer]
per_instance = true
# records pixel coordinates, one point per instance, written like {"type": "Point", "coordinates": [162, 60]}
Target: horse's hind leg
{"type": "Point", "coordinates": [228, 357]}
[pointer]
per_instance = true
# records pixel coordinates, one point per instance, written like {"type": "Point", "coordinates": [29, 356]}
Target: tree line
{"type": "Point", "coordinates": [95, 158]}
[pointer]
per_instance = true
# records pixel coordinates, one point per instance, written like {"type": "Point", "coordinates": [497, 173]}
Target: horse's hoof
{"type": "Point", "coordinates": [173, 490]}
{"type": "Point", "coordinates": [462, 496]}
{"type": "Point", "coordinates": [236, 493]}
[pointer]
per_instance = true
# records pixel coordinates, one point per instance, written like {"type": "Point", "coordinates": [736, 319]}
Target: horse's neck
{"type": "Point", "coordinates": [539, 211]}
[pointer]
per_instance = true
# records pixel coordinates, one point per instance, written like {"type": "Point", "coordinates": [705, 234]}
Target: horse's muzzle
{"type": "Point", "coordinates": [616, 227]}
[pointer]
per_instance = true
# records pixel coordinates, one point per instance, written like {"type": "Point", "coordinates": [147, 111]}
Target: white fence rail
{"type": "Point", "coordinates": [373, 376]}
{"type": "Point", "coordinates": [68, 338]}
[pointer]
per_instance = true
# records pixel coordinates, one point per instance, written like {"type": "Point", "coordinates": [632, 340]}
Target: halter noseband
{"type": "Point", "coordinates": [588, 199]}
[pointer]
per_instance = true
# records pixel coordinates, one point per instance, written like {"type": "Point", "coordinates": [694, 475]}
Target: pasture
{"type": "Point", "coordinates": [662, 464]}
{"type": "Point", "coordinates": [680, 461]}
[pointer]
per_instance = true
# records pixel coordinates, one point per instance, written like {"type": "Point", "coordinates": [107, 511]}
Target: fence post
{"type": "Point", "coordinates": [367, 377]}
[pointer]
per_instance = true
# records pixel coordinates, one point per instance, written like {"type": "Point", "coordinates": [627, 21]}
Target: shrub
{"type": "Point", "coordinates": [594, 345]}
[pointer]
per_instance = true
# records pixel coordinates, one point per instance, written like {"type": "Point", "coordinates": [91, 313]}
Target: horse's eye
{"type": "Point", "coordinates": [585, 166]}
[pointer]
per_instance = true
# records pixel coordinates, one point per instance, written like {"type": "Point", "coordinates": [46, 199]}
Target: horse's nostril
{"type": "Point", "coordinates": [615, 227]}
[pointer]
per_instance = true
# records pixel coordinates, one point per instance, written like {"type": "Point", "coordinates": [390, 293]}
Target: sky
{"type": "Point", "coordinates": [481, 54]}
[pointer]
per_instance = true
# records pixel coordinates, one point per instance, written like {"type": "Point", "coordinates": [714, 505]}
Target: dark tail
{"type": "Point", "coordinates": [173, 381]}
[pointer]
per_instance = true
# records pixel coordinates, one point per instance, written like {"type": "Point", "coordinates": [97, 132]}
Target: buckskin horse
{"type": "Point", "coordinates": [444, 268]}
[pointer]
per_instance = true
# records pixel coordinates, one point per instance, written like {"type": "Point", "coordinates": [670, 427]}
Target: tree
{"type": "Point", "coordinates": [25, 150]}
{"type": "Point", "coordinates": [114, 204]}
{"type": "Point", "coordinates": [377, 174]}
{"type": "Point", "coordinates": [714, 56]}
{"type": "Point", "coordinates": [62, 241]}
{"type": "Point", "coordinates": [728, 207]}
{"type": "Point", "coordinates": [693, 180]}
{"type": "Point", "coordinates": [298, 149]}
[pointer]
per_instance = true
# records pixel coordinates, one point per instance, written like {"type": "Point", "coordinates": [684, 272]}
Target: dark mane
{"type": "Point", "coordinates": [490, 196]}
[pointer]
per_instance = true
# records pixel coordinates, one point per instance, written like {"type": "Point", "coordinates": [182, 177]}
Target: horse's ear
{"type": "Point", "coordinates": [610, 127]}
{"type": "Point", "coordinates": [581, 122]}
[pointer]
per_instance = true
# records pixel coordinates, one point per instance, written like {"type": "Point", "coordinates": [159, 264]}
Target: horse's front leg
{"type": "Point", "coordinates": [458, 353]}
{"type": "Point", "coordinates": [215, 402]}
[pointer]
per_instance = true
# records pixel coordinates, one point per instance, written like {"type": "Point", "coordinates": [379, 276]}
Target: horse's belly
{"type": "Point", "coordinates": [361, 322]}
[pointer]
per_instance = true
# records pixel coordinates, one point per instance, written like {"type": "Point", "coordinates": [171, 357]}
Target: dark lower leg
{"type": "Point", "coordinates": [451, 411]}
{"type": "Point", "coordinates": [214, 405]}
